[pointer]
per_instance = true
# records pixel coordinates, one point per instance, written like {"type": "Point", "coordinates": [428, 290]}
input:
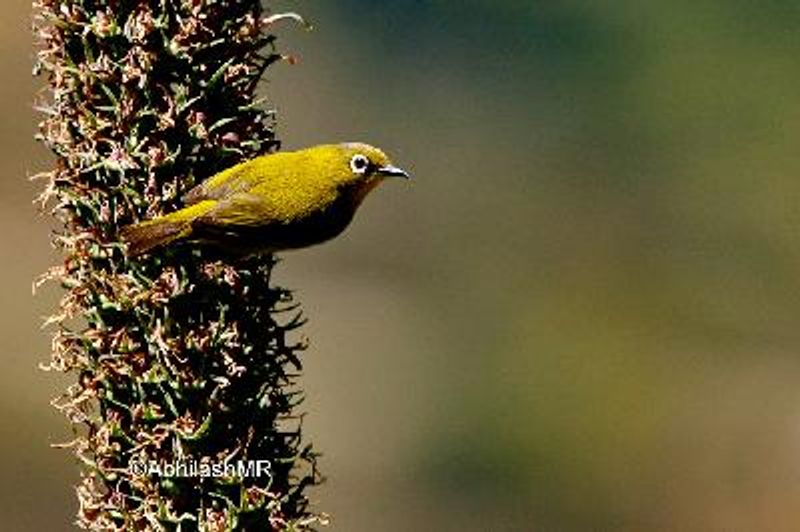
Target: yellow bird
{"type": "Point", "coordinates": [273, 202]}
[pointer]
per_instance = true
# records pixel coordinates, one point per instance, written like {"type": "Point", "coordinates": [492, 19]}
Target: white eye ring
{"type": "Point", "coordinates": [359, 164]}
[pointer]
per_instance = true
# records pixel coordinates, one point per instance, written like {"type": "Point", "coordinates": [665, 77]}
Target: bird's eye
{"type": "Point", "coordinates": [359, 164]}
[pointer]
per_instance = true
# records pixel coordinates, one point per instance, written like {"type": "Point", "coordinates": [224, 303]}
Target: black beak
{"type": "Point", "coordinates": [393, 171]}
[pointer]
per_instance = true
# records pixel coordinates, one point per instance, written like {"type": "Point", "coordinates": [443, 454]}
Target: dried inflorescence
{"type": "Point", "coordinates": [178, 356]}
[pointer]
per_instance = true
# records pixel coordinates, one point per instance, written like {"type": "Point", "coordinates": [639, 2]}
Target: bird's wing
{"type": "Point", "coordinates": [224, 184]}
{"type": "Point", "coordinates": [241, 209]}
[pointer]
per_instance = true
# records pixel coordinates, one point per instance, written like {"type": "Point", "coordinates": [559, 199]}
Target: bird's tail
{"type": "Point", "coordinates": [144, 236]}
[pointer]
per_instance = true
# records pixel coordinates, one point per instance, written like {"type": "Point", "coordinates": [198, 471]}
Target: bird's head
{"type": "Point", "coordinates": [361, 165]}
{"type": "Point", "coordinates": [347, 170]}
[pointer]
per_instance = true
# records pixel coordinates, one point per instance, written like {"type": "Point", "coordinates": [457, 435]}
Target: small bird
{"type": "Point", "coordinates": [273, 202]}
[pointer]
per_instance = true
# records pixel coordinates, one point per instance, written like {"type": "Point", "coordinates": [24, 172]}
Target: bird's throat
{"type": "Point", "coordinates": [360, 191]}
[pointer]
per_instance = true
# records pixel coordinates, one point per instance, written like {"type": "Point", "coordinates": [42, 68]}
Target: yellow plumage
{"type": "Point", "coordinates": [272, 202]}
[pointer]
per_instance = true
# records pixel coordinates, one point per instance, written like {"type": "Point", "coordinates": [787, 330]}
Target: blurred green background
{"type": "Point", "coordinates": [580, 315]}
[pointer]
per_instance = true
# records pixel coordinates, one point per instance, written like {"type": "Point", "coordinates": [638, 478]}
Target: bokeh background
{"type": "Point", "coordinates": [582, 314]}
